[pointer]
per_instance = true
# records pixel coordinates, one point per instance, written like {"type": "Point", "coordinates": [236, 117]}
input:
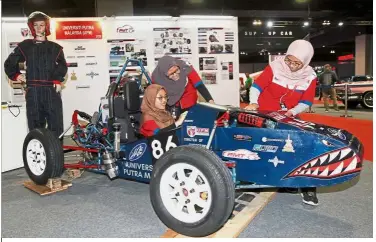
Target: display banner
{"type": "Point", "coordinates": [78, 30]}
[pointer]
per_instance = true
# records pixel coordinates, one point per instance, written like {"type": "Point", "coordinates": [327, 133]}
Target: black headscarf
{"type": "Point", "coordinates": [174, 89]}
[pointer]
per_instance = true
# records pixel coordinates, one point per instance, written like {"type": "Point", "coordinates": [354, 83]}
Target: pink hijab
{"type": "Point", "coordinates": [302, 50]}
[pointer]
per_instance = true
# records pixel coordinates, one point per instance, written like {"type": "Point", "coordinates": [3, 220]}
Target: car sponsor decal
{"type": "Point", "coordinates": [337, 133]}
{"type": "Point", "coordinates": [288, 146]}
{"type": "Point", "coordinates": [242, 137]}
{"type": "Point", "coordinates": [137, 152]}
{"type": "Point", "coordinates": [264, 139]}
{"type": "Point", "coordinates": [193, 131]}
{"type": "Point", "coordinates": [276, 161]}
{"type": "Point", "coordinates": [241, 154]}
{"type": "Point", "coordinates": [125, 29]}
{"type": "Point", "coordinates": [265, 148]}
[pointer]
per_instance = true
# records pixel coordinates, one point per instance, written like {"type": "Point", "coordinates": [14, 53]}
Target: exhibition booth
{"type": "Point", "coordinates": [96, 49]}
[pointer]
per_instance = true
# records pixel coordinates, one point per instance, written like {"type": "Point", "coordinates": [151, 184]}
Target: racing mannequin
{"type": "Point", "coordinates": [46, 69]}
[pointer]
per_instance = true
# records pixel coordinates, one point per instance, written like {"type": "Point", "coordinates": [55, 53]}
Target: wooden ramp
{"type": "Point", "coordinates": [52, 186]}
{"type": "Point", "coordinates": [247, 206]}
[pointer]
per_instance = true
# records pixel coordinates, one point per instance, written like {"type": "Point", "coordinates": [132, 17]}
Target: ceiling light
{"type": "Point", "coordinates": [306, 23]}
{"type": "Point", "coordinates": [269, 24]}
{"type": "Point", "coordinates": [340, 23]}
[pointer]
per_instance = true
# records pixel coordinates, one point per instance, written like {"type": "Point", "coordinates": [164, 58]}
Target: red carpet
{"type": "Point", "coordinates": [362, 129]}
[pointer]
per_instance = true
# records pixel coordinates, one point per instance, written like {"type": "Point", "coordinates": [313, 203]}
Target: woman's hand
{"type": "Point", "coordinates": [21, 78]}
{"type": "Point", "coordinates": [181, 119]}
{"type": "Point", "coordinates": [252, 107]}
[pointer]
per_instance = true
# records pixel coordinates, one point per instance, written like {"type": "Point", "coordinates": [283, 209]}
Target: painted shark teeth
{"type": "Point", "coordinates": [325, 172]}
{"type": "Point", "coordinates": [337, 170]}
{"type": "Point", "coordinates": [344, 152]}
{"type": "Point", "coordinates": [316, 172]}
{"type": "Point", "coordinates": [352, 165]}
{"type": "Point", "coordinates": [323, 159]}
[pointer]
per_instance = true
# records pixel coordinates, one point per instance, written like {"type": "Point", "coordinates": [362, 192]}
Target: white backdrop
{"type": "Point", "coordinates": [89, 71]}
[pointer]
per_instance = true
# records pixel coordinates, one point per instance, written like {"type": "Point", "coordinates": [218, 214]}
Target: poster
{"type": "Point", "coordinates": [209, 77]}
{"type": "Point", "coordinates": [78, 30]}
{"type": "Point", "coordinates": [215, 41]}
{"type": "Point", "coordinates": [227, 70]}
{"type": "Point", "coordinates": [122, 49]}
{"type": "Point", "coordinates": [172, 41]}
{"type": "Point", "coordinates": [208, 63]}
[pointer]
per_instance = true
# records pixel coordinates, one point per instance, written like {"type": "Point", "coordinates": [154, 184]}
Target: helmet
{"type": "Point", "coordinates": [38, 16]}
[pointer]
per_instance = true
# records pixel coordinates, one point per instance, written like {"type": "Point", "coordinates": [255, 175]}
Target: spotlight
{"type": "Point", "coordinates": [305, 24]}
{"type": "Point", "coordinates": [340, 23]}
{"type": "Point", "coordinates": [269, 24]}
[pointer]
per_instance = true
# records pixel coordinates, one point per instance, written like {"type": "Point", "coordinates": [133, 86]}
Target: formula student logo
{"type": "Point", "coordinates": [137, 152]}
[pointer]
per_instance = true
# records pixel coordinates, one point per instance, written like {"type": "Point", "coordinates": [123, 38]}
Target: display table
{"type": "Point", "coordinates": [14, 130]}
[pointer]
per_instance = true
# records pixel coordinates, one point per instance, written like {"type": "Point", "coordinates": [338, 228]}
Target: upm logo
{"type": "Point", "coordinates": [137, 152]}
{"type": "Point", "coordinates": [127, 29]}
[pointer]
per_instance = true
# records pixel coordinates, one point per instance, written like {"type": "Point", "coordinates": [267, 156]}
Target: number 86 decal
{"type": "Point", "coordinates": [158, 151]}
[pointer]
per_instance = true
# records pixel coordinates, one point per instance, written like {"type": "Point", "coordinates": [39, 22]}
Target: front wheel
{"type": "Point", "coordinates": [43, 156]}
{"type": "Point", "coordinates": [191, 191]}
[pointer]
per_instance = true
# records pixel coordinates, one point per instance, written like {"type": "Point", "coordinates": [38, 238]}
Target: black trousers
{"type": "Point", "coordinates": [44, 106]}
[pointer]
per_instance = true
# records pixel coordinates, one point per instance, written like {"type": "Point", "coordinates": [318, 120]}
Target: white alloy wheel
{"type": "Point", "coordinates": [185, 192]}
{"type": "Point", "coordinates": [36, 157]}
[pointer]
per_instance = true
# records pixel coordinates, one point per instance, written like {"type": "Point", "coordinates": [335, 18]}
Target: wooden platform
{"type": "Point", "coordinates": [247, 206]}
{"type": "Point", "coordinates": [52, 186]}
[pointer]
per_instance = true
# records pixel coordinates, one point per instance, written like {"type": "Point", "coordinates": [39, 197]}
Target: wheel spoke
{"type": "Point", "coordinates": [191, 208]}
{"type": "Point", "coordinates": [199, 201]}
{"type": "Point", "coordinates": [181, 175]}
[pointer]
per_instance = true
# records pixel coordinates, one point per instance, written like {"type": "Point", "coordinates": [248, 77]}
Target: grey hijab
{"type": "Point", "coordinates": [175, 89]}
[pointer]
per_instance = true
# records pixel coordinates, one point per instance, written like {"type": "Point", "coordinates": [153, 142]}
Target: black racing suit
{"type": "Point", "coordinates": [45, 66]}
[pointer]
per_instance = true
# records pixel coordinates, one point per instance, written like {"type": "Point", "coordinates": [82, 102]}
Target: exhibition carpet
{"type": "Point", "coordinates": [362, 129]}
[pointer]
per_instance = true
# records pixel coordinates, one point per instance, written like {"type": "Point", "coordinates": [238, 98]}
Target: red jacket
{"type": "Point", "coordinates": [190, 96]}
{"type": "Point", "coordinates": [274, 91]}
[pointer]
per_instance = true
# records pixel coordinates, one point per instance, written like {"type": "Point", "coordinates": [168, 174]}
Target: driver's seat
{"type": "Point", "coordinates": [132, 103]}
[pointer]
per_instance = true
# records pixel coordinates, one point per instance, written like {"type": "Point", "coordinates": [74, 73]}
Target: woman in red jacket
{"type": "Point", "coordinates": [155, 118]}
{"type": "Point", "coordinates": [181, 82]}
{"type": "Point", "coordinates": [288, 85]}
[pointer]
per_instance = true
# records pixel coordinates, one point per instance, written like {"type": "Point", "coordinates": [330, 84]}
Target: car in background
{"type": "Point", "coordinates": [359, 78]}
{"type": "Point", "coordinates": [359, 91]}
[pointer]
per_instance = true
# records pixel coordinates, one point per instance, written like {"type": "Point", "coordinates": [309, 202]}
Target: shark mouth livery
{"type": "Point", "coordinates": [331, 165]}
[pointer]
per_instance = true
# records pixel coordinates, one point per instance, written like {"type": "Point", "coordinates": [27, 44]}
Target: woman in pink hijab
{"type": "Point", "coordinates": [288, 85]}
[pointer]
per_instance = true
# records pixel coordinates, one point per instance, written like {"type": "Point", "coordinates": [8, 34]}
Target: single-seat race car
{"type": "Point", "coordinates": [194, 170]}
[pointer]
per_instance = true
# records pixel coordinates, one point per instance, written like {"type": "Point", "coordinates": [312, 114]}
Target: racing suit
{"type": "Point", "coordinates": [46, 66]}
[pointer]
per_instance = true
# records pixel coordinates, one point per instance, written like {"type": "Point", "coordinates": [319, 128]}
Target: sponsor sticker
{"type": "Point", "coordinates": [137, 152]}
{"type": "Point", "coordinates": [92, 74]}
{"type": "Point", "coordinates": [193, 131]}
{"type": "Point", "coordinates": [288, 146]}
{"type": "Point", "coordinates": [265, 148]}
{"type": "Point", "coordinates": [242, 137]}
{"type": "Point", "coordinates": [241, 154]}
{"type": "Point", "coordinates": [276, 161]}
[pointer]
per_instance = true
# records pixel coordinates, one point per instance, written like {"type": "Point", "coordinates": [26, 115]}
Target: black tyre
{"type": "Point", "coordinates": [43, 156]}
{"type": "Point", "coordinates": [191, 191]}
{"type": "Point", "coordinates": [367, 100]}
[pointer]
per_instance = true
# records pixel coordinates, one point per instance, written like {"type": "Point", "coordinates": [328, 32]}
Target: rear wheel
{"type": "Point", "coordinates": [43, 156]}
{"type": "Point", "coordinates": [191, 191]}
{"type": "Point", "coordinates": [367, 100]}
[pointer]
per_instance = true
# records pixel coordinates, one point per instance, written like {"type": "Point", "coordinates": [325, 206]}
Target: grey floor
{"type": "Point", "coordinates": [97, 207]}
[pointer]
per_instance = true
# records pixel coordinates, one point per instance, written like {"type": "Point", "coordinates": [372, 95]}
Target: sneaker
{"type": "Point", "coordinates": [326, 110]}
{"type": "Point", "coordinates": [310, 198]}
